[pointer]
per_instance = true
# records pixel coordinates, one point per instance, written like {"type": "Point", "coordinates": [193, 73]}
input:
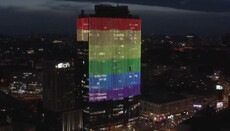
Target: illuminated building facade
{"type": "Point", "coordinates": [109, 54]}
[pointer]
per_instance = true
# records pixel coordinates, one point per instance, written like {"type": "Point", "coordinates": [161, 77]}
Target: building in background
{"type": "Point", "coordinates": [60, 97]}
{"type": "Point", "coordinates": [109, 62]}
{"type": "Point", "coordinates": [26, 84]}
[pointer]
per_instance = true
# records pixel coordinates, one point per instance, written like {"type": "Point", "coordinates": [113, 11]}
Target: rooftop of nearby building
{"type": "Point", "coordinates": [158, 98]}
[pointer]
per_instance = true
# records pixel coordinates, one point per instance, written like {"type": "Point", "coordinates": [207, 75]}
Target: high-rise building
{"type": "Point", "coordinates": [109, 62]}
{"type": "Point", "coordinates": [59, 85]}
{"type": "Point", "coordinates": [60, 96]}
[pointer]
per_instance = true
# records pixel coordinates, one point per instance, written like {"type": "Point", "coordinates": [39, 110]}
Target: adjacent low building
{"type": "Point", "coordinates": [165, 107]}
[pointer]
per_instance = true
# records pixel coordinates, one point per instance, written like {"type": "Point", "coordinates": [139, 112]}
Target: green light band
{"type": "Point", "coordinates": [114, 66]}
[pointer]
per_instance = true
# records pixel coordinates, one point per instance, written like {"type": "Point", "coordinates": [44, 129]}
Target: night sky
{"type": "Point", "coordinates": [158, 16]}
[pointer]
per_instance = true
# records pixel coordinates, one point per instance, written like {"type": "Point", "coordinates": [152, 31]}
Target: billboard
{"type": "Point", "coordinates": [219, 105]}
{"type": "Point", "coordinates": [219, 87]}
{"type": "Point", "coordinates": [62, 65]}
{"type": "Point", "coordinates": [197, 106]}
{"type": "Point", "coordinates": [114, 57]}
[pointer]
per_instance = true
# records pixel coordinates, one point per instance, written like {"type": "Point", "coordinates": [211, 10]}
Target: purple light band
{"type": "Point", "coordinates": [114, 94]}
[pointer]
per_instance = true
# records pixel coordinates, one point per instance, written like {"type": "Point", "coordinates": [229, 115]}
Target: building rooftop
{"type": "Point", "coordinates": [110, 11]}
{"type": "Point", "coordinates": [158, 98]}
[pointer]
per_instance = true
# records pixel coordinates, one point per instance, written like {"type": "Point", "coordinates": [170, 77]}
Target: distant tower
{"type": "Point", "coordinates": [59, 85]}
{"type": "Point", "coordinates": [109, 61]}
{"type": "Point", "coordinates": [60, 96]}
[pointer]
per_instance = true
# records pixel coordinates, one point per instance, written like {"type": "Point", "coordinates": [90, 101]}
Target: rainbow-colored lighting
{"type": "Point", "coordinates": [114, 56]}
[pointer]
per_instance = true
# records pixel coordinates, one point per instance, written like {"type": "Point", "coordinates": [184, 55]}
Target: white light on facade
{"type": "Point", "coordinates": [219, 87]}
{"type": "Point", "coordinates": [62, 65]}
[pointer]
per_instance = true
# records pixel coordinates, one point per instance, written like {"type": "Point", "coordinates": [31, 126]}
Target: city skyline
{"type": "Point", "coordinates": [71, 65]}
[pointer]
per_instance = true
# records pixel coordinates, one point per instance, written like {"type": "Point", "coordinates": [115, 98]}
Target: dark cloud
{"type": "Point", "coordinates": [58, 16]}
{"type": "Point", "coordinates": [165, 23]}
{"type": "Point", "coordinates": [197, 5]}
{"type": "Point", "coordinates": [17, 22]}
